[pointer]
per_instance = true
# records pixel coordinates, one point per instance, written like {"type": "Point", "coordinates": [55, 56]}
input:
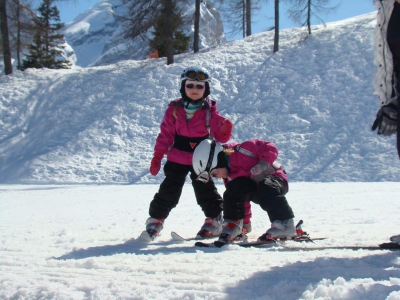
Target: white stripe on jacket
{"type": "Point", "coordinates": [383, 57]}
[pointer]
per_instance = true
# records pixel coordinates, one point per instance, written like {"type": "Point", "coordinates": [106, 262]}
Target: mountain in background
{"type": "Point", "coordinates": [97, 35]}
{"type": "Point", "coordinates": [314, 99]}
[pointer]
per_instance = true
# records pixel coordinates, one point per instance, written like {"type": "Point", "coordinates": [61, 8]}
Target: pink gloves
{"type": "Point", "coordinates": [224, 131]}
{"type": "Point", "coordinates": [155, 165]}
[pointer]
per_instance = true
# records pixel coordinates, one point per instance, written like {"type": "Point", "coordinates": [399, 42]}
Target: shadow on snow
{"type": "Point", "coordinates": [324, 277]}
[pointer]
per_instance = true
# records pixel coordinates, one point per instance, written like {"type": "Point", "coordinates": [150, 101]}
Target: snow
{"type": "Point", "coordinates": [75, 148]}
{"type": "Point", "coordinates": [313, 99]}
{"type": "Point", "coordinates": [78, 242]}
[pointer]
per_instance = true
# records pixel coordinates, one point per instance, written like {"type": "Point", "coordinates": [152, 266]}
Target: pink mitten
{"type": "Point", "coordinates": [224, 131]}
{"type": "Point", "coordinates": [155, 165]}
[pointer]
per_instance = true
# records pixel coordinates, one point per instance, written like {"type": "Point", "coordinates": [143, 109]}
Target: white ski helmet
{"type": "Point", "coordinates": [205, 158]}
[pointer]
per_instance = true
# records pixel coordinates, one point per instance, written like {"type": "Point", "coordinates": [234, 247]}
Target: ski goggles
{"type": "Point", "coordinates": [195, 75]}
{"type": "Point", "coordinates": [196, 86]}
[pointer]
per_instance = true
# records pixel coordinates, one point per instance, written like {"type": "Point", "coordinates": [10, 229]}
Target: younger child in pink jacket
{"type": "Point", "coordinates": [250, 172]}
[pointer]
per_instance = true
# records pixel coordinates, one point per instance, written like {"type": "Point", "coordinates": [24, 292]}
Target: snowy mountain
{"type": "Point", "coordinates": [97, 34]}
{"type": "Point", "coordinates": [313, 99]}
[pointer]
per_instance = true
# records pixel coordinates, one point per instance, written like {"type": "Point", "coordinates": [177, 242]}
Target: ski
{"type": "Point", "coordinates": [384, 246]}
{"type": "Point", "coordinates": [355, 248]}
{"type": "Point", "coordinates": [145, 237]}
{"type": "Point", "coordinates": [282, 247]}
{"type": "Point", "coordinates": [218, 244]}
{"type": "Point", "coordinates": [176, 237]}
{"type": "Point", "coordinates": [304, 238]}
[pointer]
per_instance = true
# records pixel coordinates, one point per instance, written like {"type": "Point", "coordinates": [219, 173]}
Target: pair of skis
{"type": "Point", "coordinates": [246, 243]}
{"type": "Point", "coordinates": [243, 242]}
{"type": "Point", "coordinates": [302, 236]}
{"type": "Point", "coordinates": [281, 243]}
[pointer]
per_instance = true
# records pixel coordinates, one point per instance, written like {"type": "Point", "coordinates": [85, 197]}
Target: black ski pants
{"type": "Point", "coordinates": [269, 194]}
{"type": "Point", "coordinates": [170, 191]}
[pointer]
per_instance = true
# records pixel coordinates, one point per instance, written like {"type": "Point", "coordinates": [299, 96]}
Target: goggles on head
{"type": "Point", "coordinates": [195, 75]}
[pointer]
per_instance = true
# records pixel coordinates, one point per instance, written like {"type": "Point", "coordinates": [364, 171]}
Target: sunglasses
{"type": "Point", "coordinates": [196, 75]}
{"type": "Point", "coordinates": [197, 86]}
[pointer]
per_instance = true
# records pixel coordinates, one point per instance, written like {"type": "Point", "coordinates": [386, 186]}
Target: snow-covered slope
{"type": "Point", "coordinates": [78, 242]}
{"type": "Point", "coordinates": [314, 99]}
{"type": "Point", "coordinates": [97, 34]}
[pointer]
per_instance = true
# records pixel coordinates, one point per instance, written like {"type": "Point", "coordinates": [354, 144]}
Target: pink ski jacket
{"type": "Point", "coordinates": [178, 136]}
{"type": "Point", "coordinates": [248, 154]}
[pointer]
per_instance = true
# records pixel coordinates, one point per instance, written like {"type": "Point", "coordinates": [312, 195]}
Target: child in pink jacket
{"type": "Point", "coordinates": [187, 121]}
{"type": "Point", "coordinates": [250, 172]}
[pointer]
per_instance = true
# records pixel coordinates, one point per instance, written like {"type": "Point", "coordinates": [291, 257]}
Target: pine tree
{"type": "Point", "coordinates": [166, 18]}
{"type": "Point", "coordinates": [166, 26]}
{"type": "Point", "coordinates": [44, 52]}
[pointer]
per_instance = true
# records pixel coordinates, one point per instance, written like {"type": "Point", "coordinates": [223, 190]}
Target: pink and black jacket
{"type": "Point", "coordinates": [179, 137]}
{"type": "Point", "coordinates": [248, 154]}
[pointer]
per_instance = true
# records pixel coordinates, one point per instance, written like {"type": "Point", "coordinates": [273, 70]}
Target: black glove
{"type": "Point", "coordinates": [386, 119]}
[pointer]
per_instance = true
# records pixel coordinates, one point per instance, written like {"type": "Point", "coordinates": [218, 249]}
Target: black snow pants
{"type": "Point", "coordinates": [269, 194]}
{"type": "Point", "coordinates": [170, 191]}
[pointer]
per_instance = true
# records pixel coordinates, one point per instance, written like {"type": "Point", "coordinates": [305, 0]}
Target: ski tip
{"type": "Point", "coordinates": [177, 237]}
{"type": "Point", "coordinates": [145, 238]}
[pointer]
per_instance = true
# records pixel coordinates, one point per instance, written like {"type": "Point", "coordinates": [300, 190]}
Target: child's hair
{"type": "Point", "coordinates": [228, 151]}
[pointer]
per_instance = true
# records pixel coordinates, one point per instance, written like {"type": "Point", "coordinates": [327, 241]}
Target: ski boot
{"type": "Point", "coordinates": [232, 229]}
{"type": "Point", "coordinates": [153, 229]}
{"type": "Point", "coordinates": [280, 230]}
{"type": "Point", "coordinates": [245, 230]}
{"type": "Point", "coordinates": [211, 227]}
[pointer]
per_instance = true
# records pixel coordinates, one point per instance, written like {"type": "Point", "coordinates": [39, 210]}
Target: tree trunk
{"type": "Point", "coordinates": [4, 35]}
{"type": "Point", "coordinates": [248, 17]}
{"type": "Point", "coordinates": [309, 16]}
{"type": "Point", "coordinates": [196, 27]}
{"type": "Point", "coordinates": [18, 35]}
{"type": "Point", "coordinates": [244, 18]}
{"type": "Point", "coordinates": [276, 37]}
{"type": "Point", "coordinates": [169, 38]}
